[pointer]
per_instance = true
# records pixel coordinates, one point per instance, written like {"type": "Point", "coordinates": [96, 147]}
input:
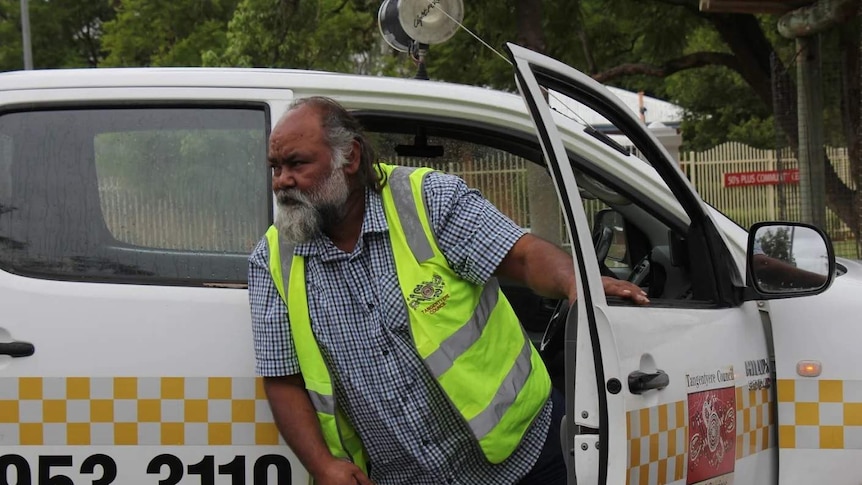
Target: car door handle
{"type": "Point", "coordinates": [640, 382]}
{"type": "Point", "coordinates": [17, 349]}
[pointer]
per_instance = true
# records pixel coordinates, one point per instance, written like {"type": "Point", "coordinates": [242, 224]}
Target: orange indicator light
{"type": "Point", "coordinates": [808, 368]}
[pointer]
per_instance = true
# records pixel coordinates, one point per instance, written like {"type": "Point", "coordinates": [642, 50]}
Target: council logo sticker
{"type": "Point", "coordinates": [712, 427]}
{"type": "Point", "coordinates": [426, 291]}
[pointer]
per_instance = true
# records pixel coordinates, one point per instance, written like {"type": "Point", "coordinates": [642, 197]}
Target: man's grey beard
{"type": "Point", "coordinates": [301, 217]}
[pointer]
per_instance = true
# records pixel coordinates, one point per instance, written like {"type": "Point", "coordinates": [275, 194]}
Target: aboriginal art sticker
{"type": "Point", "coordinates": [711, 427]}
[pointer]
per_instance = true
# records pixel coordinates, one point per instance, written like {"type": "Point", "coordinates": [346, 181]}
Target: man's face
{"type": "Point", "coordinates": [307, 177]}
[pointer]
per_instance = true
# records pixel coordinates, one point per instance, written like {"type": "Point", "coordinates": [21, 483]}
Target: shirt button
{"type": "Point", "coordinates": [385, 352]}
{"type": "Point", "coordinates": [425, 443]}
{"type": "Point", "coordinates": [371, 306]}
{"type": "Point", "coordinates": [450, 480]}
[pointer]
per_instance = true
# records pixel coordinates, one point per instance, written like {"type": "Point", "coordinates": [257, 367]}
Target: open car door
{"type": "Point", "coordinates": [655, 394]}
{"type": "Point", "coordinates": [591, 466]}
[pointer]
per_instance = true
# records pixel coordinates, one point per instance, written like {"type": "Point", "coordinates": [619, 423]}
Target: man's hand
{"type": "Point", "coordinates": [341, 472]}
{"type": "Point", "coordinates": [297, 422]}
{"type": "Point", "coordinates": [624, 289]}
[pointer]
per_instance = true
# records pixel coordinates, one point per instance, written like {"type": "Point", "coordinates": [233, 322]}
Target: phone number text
{"type": "Point", "coordinates": [169, 468]}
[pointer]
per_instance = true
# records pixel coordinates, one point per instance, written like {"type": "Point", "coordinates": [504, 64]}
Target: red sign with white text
{"type": "Point", "coordinates": [772, 177]}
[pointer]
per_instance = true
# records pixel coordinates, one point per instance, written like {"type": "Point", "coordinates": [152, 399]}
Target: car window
{"type": "Point", "coordinates": [640, 239]}
{"type": "Point", "coordinates": [175, 195]}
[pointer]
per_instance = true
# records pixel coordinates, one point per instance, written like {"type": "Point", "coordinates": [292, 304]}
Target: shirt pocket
{"type": "Point", "coordinates": [392, 309]}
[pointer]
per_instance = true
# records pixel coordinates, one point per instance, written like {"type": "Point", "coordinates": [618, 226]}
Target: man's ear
{"type": "Point", "coordinates": [353, 158]}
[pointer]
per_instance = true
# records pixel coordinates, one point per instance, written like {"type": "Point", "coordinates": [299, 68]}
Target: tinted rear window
{"type": "Point", "coordinates": [142, 195]}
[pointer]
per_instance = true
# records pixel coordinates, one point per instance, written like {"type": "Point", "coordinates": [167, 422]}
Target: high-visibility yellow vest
{"type": "Point", "coordinates": [467, 335]}
{"type": "Point", "coordinates": [289, 274]}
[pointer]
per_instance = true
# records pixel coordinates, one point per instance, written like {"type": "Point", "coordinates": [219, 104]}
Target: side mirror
{"type": "Point", "coordinates": [788, 259]}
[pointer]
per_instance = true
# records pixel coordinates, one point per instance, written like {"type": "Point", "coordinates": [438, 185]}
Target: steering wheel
{"type": "Point", "coordinates": [552, 339]}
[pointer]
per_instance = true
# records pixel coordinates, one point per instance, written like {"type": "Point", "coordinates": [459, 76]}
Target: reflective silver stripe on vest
{"type": "Point", "coordinates": [322, 403]}
{"type": "Point", "coordinates": [402, 195]}
{"type": "Point", "coordinates": [285, 252]}
{"type": "Point", "coordinates": [484, 422]}
{"type": "Point", "coordinates": [456, 344]}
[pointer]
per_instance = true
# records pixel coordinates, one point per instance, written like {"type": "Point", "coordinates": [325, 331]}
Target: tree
{"type": "Point", "coordinates": [64, 33]}
{"type": "Point", "coordinates": [166, 32]}
{"type": "Point", "coordinates": [751, 46]}
{"type": "Point", "coordinates": [778, 244]}
{"type": "Point", "coordinates": [336, 35]}
{"type": "Point", "coordinates": [664, 47]}
{"type": "Point", "coordinates": [718, 67]}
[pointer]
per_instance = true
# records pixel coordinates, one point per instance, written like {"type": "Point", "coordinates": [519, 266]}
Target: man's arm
{"type": "Point", "coordinates": [297, 422]}
{"type": "Point", "coordinates": [275, 354]}
{"type": "Point", "coordinates": [549, 271]}
{"type": "Point", "coordinates": [473, 235]}
{"type": "Point", "coordinates": [782, 274]}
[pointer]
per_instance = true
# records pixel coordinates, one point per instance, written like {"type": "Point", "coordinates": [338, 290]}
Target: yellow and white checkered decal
{"type": "Point", "coordinates": [658, 436]}
{"type": "Point", "coordinates": [820, 414]}
{"type": "Point", "coordinates": [754, 422]}
{"type": "Point", "coordinates": [657, 443]}
{"type": "Point", "coordinates": [135, 411]}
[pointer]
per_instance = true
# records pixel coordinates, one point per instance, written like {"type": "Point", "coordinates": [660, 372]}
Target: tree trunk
{"type": "Point", "coordinates": [529, 19]}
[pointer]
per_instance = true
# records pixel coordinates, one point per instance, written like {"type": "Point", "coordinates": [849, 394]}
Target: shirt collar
{"type": "Point", "coordinates": [374, 221]}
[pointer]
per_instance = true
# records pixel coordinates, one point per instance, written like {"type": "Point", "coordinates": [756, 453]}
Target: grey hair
{"type": "Point", "coordinates": [340, 130]}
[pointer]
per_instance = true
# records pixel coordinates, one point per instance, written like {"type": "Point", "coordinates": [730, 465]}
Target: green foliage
{"type": "Point", "coordinates": [166, 32]}
{"type": "Point", "coordinates": [835, 95]}
{"type": "Point", "coordinates": [777, 244]}
{"type": "Point", "coordinates": [595, 38]}
{"type": "Point", "coordinates": [63, 33]}
{"type": "Point", "coordinates": [335, 35]}
{"type": "Point", "coordinates": [720, 107]}
{"type": "Point", "coordinates": [631, 31]}
{"type": "Point", "coordinates": [465, 60]}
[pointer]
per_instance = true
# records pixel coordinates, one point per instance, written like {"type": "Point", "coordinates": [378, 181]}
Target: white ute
{"type": "Point", "coordinates": [130, 199]}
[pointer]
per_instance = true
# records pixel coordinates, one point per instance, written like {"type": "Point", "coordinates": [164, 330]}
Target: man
{"type": "Point", "coordinates": [385, 345]}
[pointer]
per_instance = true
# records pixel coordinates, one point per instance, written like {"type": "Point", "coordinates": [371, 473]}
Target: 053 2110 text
{"type": "Point", "coordinates": [101, 469]}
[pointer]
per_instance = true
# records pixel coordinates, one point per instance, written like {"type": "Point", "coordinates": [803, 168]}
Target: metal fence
{"type": "Point", "coordinates": [751, 185]}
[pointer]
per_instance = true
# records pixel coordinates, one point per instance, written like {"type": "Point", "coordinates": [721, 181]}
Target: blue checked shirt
{"type": "Point", "coordinates": [412, 433]}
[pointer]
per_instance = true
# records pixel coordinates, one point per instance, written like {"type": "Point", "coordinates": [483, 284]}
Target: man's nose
{"type": "Point", "coordinates": [282, 179]}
